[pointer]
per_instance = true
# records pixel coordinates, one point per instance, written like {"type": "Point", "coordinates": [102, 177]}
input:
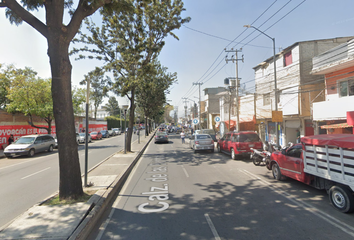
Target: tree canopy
{"type": "Point", "coordinates": [31, 96]}
{"type": "Point", "coordinates": [128, 42]}
{"type": "Point", "coordinates": [59, 36]}
{"type": "Point", "coordinates": [112, 106]}
{"type": "Point", "coordinates": [98, 87]}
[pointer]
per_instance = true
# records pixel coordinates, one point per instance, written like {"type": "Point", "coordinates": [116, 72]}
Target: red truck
{"type": "Point", "coordinates": [322, 161]}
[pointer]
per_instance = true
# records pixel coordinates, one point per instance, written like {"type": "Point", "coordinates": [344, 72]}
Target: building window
{"type": "Point", "coordinates": [346, 88]}
{"type": "Point", "coordinates": [288, 59]}
{"type": "Point", "coordinates": [266, 99]}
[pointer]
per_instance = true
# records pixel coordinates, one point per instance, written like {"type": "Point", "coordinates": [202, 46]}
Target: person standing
{"type": "Point", "coordinates": [183, 136]}
{"type": "Point", "coordinates": [11, 139]}
{"type": "Point", "coordinates": [297, 136]}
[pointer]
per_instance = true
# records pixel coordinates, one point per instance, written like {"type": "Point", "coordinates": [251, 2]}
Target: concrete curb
{"type": "Point", "coordinates": [102, 199]}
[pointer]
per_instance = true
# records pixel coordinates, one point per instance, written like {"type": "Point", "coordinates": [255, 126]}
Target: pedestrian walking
{"type": "Point", "coordinates": [183, 136]}
{"type": "Point", "coordinates": [11, 139]}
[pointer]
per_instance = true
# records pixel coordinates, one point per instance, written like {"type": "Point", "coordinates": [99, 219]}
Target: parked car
{"type": "Point", "coordinates": [96, 135]}
{"type": "Point", "coordinates": [238, 144]}
{"type": "Point", "coordinates": [211, 132]}
{"type": "Point", "coordinates": [201, 142]}
{"type": "Point", "coordinates": [29, 145]}
{"type": "Point", "coordinates": [117, 131]}
{"type": "Point", "coordinates": [104, 133]}
{"type": "Point", "coordinates": [161, 137]}
{"type": "Point", "coordinates": [111, 132]}
{"type": "Point", "coordinates": [82, 137]}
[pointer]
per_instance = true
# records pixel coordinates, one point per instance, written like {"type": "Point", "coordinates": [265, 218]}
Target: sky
{"type": "Point", "coordinates": [199, 56]}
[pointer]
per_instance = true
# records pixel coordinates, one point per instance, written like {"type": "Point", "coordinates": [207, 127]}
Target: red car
{"type": "Point", "coordinates": [96, 135]}
{"type": "Point", "coordinates": [239, 143]}
{"type": "Point", "coordinates": [288, 162]}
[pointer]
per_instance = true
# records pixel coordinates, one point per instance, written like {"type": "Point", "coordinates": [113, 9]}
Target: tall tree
{"type": "Point", "coordinates": [98, 87]}
{"type": "Point", "coordinates": [153, 89]}
{"type": "Point", "coordinates": [112, 106]}
{"type": "Point", "coordinates": [128, 42]}
{"type": "Point", "coordinates": [59, 36]}
{"type": "Point", "coordinates": [7, 73]}
{"type": "Point", "coordinates": [79, 97]}
{"type": "Point", "coordinates": [31, 96]}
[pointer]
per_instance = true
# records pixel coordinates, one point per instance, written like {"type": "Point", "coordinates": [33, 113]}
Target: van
{"type": "Point", "coordinates": [29, 145]}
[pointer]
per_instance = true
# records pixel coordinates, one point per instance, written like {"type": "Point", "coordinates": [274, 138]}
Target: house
{"type": "Point", "coordinates": [297, 89]}
{"type": "Point", "coordinates": [211, 107]}
{"type": "Point", "coordinates": [336, 66]}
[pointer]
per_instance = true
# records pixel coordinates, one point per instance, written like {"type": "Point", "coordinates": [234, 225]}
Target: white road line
{"type": "Point", "coordinates": [35, 173]}
{"type": "Point", "coordinates": [18, 164]}
{"type": "Point", "coordinates": [212, 227]}
{"type": "Point", "coordinates": [185, 171]}
{"type": "Point", "coordinates": [331, 220]}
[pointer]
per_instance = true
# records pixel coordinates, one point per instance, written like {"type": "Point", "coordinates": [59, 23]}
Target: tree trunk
{"type": "Point", "coordinates": [70, 185]}
{"type": "Point", "coordinates": [131, 121]}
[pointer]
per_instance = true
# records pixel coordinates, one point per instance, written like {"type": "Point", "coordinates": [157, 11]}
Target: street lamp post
{"type": "Point", "coordinates": [125, 108]}
{"type": "Point", "coordinates": [275, 79]}
{"type": "Point", "coordinates": [138, 131]}
{"type": "Point", "coordinates": [87, 129]}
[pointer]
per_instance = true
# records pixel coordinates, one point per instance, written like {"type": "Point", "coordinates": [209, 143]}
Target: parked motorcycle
{"type": "Point", "coordinates": [259, 157]}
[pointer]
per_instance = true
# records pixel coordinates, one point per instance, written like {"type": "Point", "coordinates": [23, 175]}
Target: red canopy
{"type": "Point", "coordinates": [339, 140]}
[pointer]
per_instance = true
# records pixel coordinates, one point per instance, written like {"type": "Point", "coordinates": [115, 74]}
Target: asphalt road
{"type": "Point", "coordinates": [26, 181]}
{"type": "Point", "coordinates": [175, 194]}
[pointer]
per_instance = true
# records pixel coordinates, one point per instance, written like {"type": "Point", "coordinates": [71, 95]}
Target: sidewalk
{"type": "Point", "coordinates": [75, 221]}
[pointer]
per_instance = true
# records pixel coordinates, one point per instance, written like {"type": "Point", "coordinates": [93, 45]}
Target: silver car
{"type": "Point", "coordinates": [29, 145]}
{"type": "Point", "coordinates": [201, 142]}
{"type": "Point", "coordinates": [82, 137]}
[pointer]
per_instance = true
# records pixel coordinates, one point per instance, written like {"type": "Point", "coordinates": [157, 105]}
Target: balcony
{"type": "Point", "coordinates": [335, 109]}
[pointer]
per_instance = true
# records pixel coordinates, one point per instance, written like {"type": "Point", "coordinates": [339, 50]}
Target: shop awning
{"type": "Point", "coordinates": [338, 125]}
{"type": "Point", "coordinates": [231, 122]}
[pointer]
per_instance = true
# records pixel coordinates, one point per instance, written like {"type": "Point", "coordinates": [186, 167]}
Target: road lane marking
{"type": "Point", "coordinates": [19, 163]}
{"type": "Point", "coordinates": [35, 173]}
{"type": "Point", "coordinates": [185, 171]}
{"type": "Point", "coordinates": [308, 207]}
{"type": "Point", "coordinates": [212, 227]}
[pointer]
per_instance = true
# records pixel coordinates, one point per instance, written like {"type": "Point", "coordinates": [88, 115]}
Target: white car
{"type": "Point", "coordinates": [117, 131]}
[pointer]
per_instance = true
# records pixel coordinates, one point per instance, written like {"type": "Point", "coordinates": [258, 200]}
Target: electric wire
{"type": "Point", "coordinates": [248, 43]}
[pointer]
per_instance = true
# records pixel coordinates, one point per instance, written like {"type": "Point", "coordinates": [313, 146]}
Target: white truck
{"type": "Point", "coordinates": [322, 161]}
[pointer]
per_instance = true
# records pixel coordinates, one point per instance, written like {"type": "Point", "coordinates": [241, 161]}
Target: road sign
{"type": "Point", "coordinates": [277, 116]}
{"type": "Point", "coordinates": [217, 119]}
{"type": "Point", "coordinates": [195, 121]}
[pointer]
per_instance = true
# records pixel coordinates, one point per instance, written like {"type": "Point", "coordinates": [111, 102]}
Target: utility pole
{"type": "Point", "coordinates": [185, 107]}
{"type": "Point", "coordinates": [237, 84]}
{"type": "Point", "coordinates": [200, 83]}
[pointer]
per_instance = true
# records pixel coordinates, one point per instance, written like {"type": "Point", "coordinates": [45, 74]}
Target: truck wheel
{"type": "Point", "coordinates": [276, 172]}
{"type": "Point", "coordinates": [233, 155]}
{"type": "Point", "coordinates": [341, 198]}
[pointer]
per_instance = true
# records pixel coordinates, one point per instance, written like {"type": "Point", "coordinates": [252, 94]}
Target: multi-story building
{"type": "Point", "coordinates": [297, 89]}
{"type": "Point", "coordinates": [336, 66]}
{"type": "Point", "coordinates": [211, 107]}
